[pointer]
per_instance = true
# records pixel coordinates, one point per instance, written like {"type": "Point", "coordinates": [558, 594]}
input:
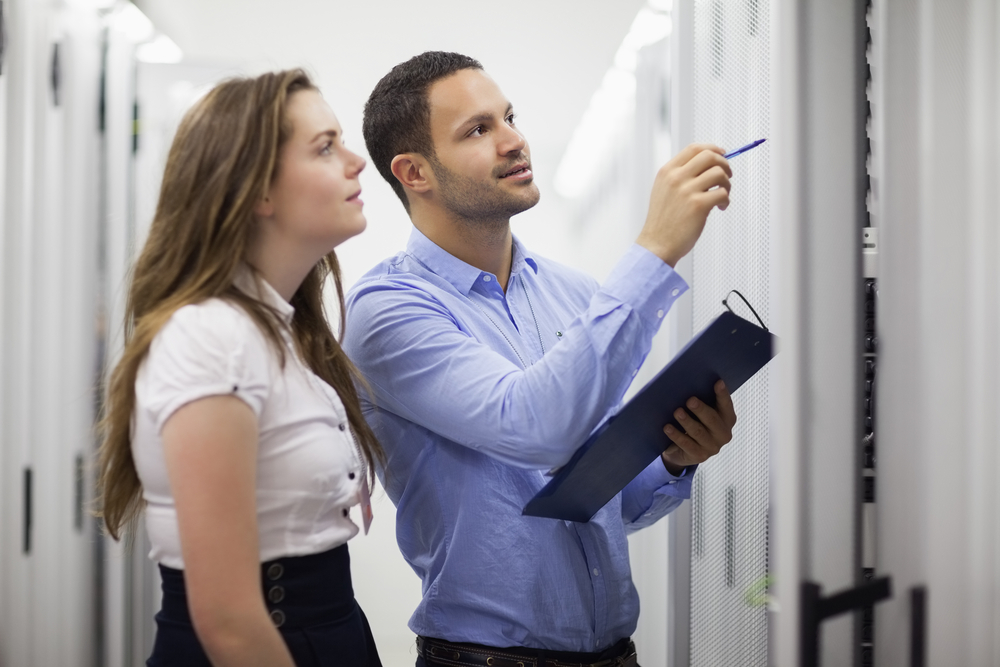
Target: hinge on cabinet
{"type": "Point", "coordinates": [3, 36]}
{"type": "Point", "coordinates": [27, 517]}
{"type": "Point", "coordinates": [55, 75]}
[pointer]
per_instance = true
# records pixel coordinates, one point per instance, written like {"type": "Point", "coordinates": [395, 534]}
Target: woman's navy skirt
{"type": "Point", "coordinates": [309, 598]}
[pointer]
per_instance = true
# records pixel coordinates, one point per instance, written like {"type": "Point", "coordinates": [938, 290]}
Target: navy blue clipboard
{"type": "Point", "coordinates": [730, 348]}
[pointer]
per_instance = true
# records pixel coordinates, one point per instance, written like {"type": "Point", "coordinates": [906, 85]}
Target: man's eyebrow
{"type": "Point", "coordinates": [484, 117]}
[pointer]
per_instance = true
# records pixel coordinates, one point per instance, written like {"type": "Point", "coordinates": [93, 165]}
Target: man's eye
{"type": "Point", "coordinates": [477, 131]}
{"type": "Point", "coordinates": [511, 117]}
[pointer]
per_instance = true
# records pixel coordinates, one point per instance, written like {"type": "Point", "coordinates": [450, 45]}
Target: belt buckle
{"type": "Point", "coordinates": [630, 659]}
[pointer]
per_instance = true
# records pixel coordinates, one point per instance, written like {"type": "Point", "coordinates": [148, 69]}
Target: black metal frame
{"type": "Point", "coordinates": [864, 621]}
{"type": "Point", "coordinates": [816, 609]}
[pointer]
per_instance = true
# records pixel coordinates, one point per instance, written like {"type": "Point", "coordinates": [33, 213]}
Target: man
{"type": "Point", "coordinates": [489, 366]}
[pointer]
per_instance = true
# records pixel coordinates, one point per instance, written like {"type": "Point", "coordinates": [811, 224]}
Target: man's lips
{"type": "Point", "coordinates": [521, 170]}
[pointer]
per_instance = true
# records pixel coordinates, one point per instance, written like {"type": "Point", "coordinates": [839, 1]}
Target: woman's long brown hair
{"type": "Point", "coordinates": [223, 158]}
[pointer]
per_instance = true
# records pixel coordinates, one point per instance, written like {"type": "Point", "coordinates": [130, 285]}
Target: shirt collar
{"type": "Point", "coordinates": [522, 259]}
{"type": "Point", "coordinates": [460, 274]}
{"type": "Point", "coordinates": [258, 288]}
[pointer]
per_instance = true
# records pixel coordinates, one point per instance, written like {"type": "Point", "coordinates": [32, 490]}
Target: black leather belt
{"type": "Point", "coordinates": [440, 652]}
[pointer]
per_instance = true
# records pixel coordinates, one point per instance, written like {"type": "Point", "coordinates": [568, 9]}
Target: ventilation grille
{"type": "Point", "coordinates": [730, 495]}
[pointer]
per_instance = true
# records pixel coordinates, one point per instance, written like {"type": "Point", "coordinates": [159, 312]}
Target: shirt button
{"type": "Point", "coordinates": [659, 313]}
{"type": "Point", "coordinates": [674, 292]}
{"type": "Point", "coordinates": [347, 511]}
{"type": "Point", "coordinates": [276, 594]}
{"type": "Point", "coordinates": [342, 427]}
{"type": "Point", "coordinates": [486, 279]}
{"type": "Point", "coordinates": [278, 618]}
{"type": "Point", "coordinates": [597, 572]}
{"type": "Point", "coordinates": [274, 571]}
{"type": "Point", "coordinates": [673, 481]}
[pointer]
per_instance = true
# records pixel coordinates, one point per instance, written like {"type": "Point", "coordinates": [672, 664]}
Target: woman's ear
{"type": "Point", "coordinates": [264, 208]}
{"type": "Point", "coordinates": [413, 171]}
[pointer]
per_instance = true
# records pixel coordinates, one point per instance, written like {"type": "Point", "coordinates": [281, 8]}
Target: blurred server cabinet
{"type": "Point", "coordinates": [730, 107]}
{"type": "Point", "coordinates": [48, 331]}
{"type": "Point", "coordinates": [67, 191]}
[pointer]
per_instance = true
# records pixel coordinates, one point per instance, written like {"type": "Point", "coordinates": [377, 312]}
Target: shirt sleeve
{"type": "Point", "coordinates": [423, 367]}
{"type": "Point", "coordinates": [205, 350]}
{"type": "Point", "coordinates": [653, 494]}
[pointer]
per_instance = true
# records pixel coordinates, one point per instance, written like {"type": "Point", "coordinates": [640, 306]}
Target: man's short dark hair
{"type": "Point", "coordinates": [397, 114]}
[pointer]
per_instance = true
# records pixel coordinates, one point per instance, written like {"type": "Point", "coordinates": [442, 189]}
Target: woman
{"type": "Point", "coordinates": [232, 417]}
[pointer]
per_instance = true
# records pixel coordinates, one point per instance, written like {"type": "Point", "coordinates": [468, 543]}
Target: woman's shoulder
{"type": "Point", "coordinates": [204, 349]}
{"type": "Point", "coordinates": [212, 320]}
{"type": "Point", "coordinates": [215, 328]}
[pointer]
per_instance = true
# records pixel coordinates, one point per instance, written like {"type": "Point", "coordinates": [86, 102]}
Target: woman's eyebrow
{"type": "Point", "coordinates": [332, 134]}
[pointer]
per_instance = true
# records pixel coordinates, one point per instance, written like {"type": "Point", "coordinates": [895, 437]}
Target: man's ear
{"type": "Point", "coordinates": [413, 171]}
{"type": "Point", "coordinates": [264, 208]}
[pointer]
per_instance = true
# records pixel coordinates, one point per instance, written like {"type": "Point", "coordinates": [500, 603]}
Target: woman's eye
{"type": "Point", "coordinates": [327, 148]}
{"type": "Point", "coordinates": [510, 118]}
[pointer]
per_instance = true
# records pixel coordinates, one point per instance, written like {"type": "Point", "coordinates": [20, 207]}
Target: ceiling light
{"type": "Point", "coordinates": [648, 28]}
{"type": "Point", "coordinates": [131, 21]}
{"type": "Point", "coordinates": [161, 49]}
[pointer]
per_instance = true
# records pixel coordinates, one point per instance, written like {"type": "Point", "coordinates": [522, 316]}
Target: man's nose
{"type": "Point", "coordinates": [511, 141]}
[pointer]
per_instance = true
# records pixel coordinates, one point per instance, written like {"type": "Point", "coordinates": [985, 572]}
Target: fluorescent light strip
{"type": "Point", "coordinates": [611, 106]}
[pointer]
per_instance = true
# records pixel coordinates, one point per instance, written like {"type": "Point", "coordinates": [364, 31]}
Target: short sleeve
{"type": "Point", "coordinates": [207, 349]}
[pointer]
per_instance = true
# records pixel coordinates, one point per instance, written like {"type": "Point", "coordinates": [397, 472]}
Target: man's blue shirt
{"type": "Point", "coordinates": [476, 395]}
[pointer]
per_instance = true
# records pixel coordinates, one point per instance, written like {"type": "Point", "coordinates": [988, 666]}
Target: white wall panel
{"type": "Point", "coordinates": [8, 522]}
{"type": "Point", "coordinates": [125, 617]}
{"type": "Point", "coordinates": [16, 567]}
{"type": "Point", "coordinates": [817, 278]}
{"type": "Point", "coordinates": [983, 332]}
{"type": "Point", "coordinates": [939, 313]}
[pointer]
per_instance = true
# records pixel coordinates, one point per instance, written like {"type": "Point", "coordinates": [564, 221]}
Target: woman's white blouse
{"type": "Point", "coordinates": [308, 470]}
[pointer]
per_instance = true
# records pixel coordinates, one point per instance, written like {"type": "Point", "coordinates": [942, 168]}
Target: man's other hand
{"type": "Point", "coordinates": [706, 430]}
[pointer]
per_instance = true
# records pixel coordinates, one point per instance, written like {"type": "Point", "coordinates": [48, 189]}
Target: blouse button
{"type": "Point", "coordinates": [342, 427]}
{"type": "Point", "coordinates": [350, 475]}
{"type": "Point", "coordinates": [278, 618]}
{"type": "Point", "coordinates": [276, 594]}
{"type": "Point", "coordinates": [346, 511]}
{"type": "Point", "coordinates": [274, 571]}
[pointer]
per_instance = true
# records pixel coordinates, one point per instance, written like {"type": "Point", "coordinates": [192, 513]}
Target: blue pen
{"type": "Point", "coordinates": [744, 149]}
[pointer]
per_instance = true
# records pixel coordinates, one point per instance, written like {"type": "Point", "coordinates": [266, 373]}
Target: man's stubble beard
{"type": "Point", "coordinates": [484, 208]}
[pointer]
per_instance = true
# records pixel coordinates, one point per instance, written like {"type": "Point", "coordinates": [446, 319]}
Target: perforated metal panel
{"type": "Point", "coordinates": [730, 498]}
